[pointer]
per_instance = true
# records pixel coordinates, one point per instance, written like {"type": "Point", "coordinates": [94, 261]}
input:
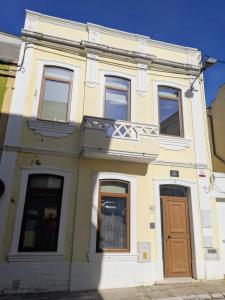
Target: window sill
{"type": "Point", "coordinates": [35, 257]}
{"type": "Point", "coordinates": [111, 257]}
{"type": "Point", "coordinates": [174, 142]}
{"type": "Point", "coordinates": [50, 128]}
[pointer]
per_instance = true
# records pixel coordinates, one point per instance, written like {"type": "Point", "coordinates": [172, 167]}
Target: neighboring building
{"type": "Point", "coordinates": [216, 122]}
{"type": "Point", "coordinates": [9, 53]}
{"type": "Point", "coordinates": [106, 163]}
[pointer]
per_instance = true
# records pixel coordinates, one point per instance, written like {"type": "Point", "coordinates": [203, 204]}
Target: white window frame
{"type": "Point", "coordinates": [167, 141]}
{"type": "Point", "coordinates": [74, 95]}
{"type": "Point", "coordinates": [103, 74]}
{"type": "Point", "coordinates": [15, 255]}
{"type": "Point", "coordinates": [132, 254]}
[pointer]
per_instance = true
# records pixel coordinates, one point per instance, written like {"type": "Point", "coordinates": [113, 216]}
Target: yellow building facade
{"type": "Point", "coordinates": [106, 163]}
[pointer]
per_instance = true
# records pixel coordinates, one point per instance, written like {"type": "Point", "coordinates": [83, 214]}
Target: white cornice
{"type": "Point", "coordinates": [31, 15]}
{"type": "Point", "coordinates": [35, 16]}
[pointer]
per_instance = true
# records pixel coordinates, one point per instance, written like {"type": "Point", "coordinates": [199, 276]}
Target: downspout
{"type": "Point", "coordinates": [213, 138]}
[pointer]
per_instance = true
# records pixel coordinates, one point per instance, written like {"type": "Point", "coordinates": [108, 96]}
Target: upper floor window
{"type": "Point", "coordinates": [41, 216]}
{"type": "Point", "coordinates": [170, 111]}
{"type": "Point", "coordinates": [117, 98]}
{"type": "Point", "coordinates": [113, 216]}
{"type": "Point", "coordinates": [55, 94]}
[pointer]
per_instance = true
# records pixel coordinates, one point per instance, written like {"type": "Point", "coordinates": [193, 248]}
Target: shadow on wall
{"type": "Point", "coordinates": [27, 265]}
{"type": "Point", "coordinates": [73, 259]}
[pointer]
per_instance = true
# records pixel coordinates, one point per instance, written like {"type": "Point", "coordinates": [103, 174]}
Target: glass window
{"type": "Point", "coordinates": [40, 225]}
{"type": "Point", "coordinates": [113, 216]}
{"type": "Point", "coordinates": [170, 114]}
{"type": "Point", "coordinates": [55, 94]}
{"type": "Point", "coordinates": [173, 190]}
{"type": "Point", "coordinates": [117, 98]}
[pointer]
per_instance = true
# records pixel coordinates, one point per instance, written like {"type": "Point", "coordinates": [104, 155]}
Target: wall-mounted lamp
{"type": "Point", "coordinates": [206, 63]}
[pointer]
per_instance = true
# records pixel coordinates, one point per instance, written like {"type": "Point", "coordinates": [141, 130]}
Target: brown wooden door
{"type": "Point", "coordinates": [176, 237]}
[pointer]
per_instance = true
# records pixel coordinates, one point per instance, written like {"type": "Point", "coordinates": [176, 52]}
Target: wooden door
{"type": "Point", "coordinates": [176, 237]}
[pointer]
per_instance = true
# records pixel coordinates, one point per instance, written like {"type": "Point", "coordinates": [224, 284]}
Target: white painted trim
{"type": "Point", "coordinates": [197, 263]}
{"type": "Point", "coordinates": [133, 239]}
{"type": "Point", "coordinates": [35, 16]}
{"type": "Point", "coordinates": [41, 63]}
{"type": "Point", "coordinates": [132, 79]}
{"type": "Point", "coordinates": [184, 100]}
{"type": "Point", "coordinates": [174, 143]}
{"type": "Point", "coordinates": [50, 128]}
{"type": "Point", "coordinates": [20, 209]}
{"type": "Point", "coordinates": [142, 82]}
{"type": "Point", "coordinates": [92, 70]}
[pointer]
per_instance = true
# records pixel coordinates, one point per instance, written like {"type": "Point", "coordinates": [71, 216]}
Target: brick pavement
{"type": "Point", "coordinates": [175, 291]}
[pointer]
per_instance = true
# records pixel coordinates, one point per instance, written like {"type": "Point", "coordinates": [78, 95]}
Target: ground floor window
{"type": "Point", "coordinates": [41, 216]}
{"type": "Point", "coordinates": [113, 230]}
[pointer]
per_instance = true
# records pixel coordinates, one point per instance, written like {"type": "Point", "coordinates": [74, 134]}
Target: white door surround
{"type": "Point", "coordinates": [198, 269]}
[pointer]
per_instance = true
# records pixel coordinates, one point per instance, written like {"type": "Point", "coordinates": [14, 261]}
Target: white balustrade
{"type": "Point", "coordinates": [120, 129]}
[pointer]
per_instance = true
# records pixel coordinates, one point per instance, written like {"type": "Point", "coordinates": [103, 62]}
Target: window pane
{"type": "Point", "coordinates": [117, 187]}
{"type": "Point", "coordinates": [117, 82]}
{"type": "Point", "coordinates": [41, 214]}
{"type": "Point", "coordinates": [116, 106]}
{"type": "Point", "coordinates": [59, 73]}
{"type": "Point", "coordinates": [113, 223]}
{"type": "Point", "coordinates": [173, 190]}
{"type": "Point", "coordinates": [41, 182]}
{"type": "Point", "coordinates": [55, 100]}
{"type": "Point", "coordinates": [168, 92]}
{"type": "Point", "coordinates": [169, 117]}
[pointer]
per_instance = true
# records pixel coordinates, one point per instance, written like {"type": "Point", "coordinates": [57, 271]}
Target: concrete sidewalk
{"type": "Point", "coordinates": [174, 291]}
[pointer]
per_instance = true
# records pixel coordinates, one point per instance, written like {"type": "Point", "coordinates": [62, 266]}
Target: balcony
{"type": "Point", "coordinates": [119, 140]}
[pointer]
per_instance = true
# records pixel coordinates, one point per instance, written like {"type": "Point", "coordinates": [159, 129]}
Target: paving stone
{"type": "Point", "coordinates": [217, 296]}
{"type": "Point", "coordinates": [204, 297]}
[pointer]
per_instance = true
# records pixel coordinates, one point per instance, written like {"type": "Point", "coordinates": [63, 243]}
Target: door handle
{"type": "Point", "coordinates": [169, 237]}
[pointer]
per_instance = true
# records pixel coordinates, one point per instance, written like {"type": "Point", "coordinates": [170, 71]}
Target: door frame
{"type": "Point", "coordinates": [163, 214]}
{"type": "Point", "coordinates": [197, 263]}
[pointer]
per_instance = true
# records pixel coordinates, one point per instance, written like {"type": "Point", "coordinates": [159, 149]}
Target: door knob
{"type": "Point", "coordinates": [169, 237]}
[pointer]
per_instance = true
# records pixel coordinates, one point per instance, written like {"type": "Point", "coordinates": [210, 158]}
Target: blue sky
{"type": "Point", "coordinates": [194, 23]}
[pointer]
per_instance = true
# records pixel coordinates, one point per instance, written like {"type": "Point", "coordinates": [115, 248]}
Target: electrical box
{"type": "Point", "coordinates": [144, 252]}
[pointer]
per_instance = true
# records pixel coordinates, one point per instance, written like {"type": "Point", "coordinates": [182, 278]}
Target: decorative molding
{"type": "Point", "coordinates": [105, 50]}
{"type": "Point", "coordinates": [93, 35]}
{"type": "Point", "coordinates": [92, 70]}
{"type": "Point", "coordinates": [142, 46]}
{"type": "Point", "coordinates": [112, 257]}
{"type": "Point", "coordinates": [101, 29]}
{"type": "Point", "coordinates": [142, 79]}
{"type": "Point", "coordinates": [36, 16]}
{"type": "Point", "coordinates": [174, 143]}
{"type": "Point", "coordinates": [35, 257]}
{"type": "Point", "coordinates": [50, 128]}
{"type": "Point", "coordinates": [178, 164]}
{"type": "Point", "coordinates": [8, 148]}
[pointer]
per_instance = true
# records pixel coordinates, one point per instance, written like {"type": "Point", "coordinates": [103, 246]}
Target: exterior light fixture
{"type": "Point", "coordinates": [207, 63]}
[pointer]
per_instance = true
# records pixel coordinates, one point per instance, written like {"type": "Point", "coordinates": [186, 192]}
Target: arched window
{"type": "Point", "coordinates": [41, 216]}
{"type": "Point", "coordinates": [113, 232]}
{"type": "Point", "coordinates": [117, 98]}
{"type": "Point", "coordinates": [170, 111]}
{"type": "Point", "coordinates": [55, 94]}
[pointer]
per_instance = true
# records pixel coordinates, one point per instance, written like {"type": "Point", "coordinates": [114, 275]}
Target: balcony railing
{"type": "Point", "coordinates": [114, 139]}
